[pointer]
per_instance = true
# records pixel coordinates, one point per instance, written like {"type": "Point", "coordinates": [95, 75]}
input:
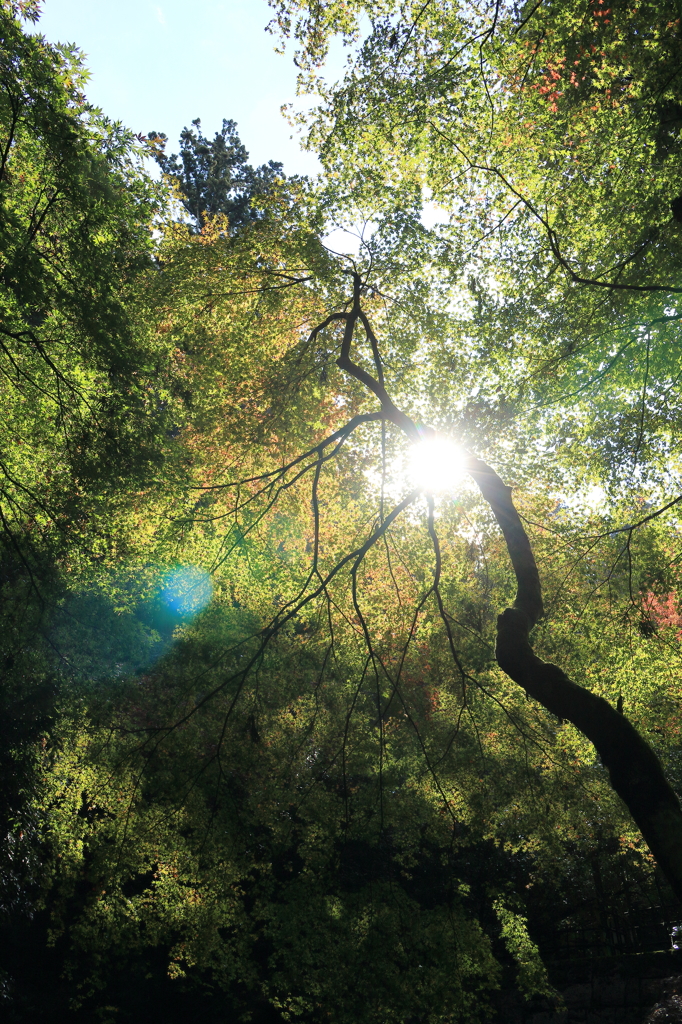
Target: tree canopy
{"type": "Point", "coordinates": [293, 730]}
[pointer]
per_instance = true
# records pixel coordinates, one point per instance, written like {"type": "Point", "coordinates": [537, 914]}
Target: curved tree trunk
{"type": "Point", "coordinates": [634, 769]}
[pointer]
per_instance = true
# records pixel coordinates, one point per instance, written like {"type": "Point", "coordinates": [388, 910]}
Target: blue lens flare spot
{"type": "Point", "coordinates": [187, 590]}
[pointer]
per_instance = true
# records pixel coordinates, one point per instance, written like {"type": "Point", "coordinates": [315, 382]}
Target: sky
{"type": "Point", "coordinates": [157, 66]}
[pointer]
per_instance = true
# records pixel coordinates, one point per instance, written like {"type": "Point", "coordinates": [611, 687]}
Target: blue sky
{"type": "Point", "coordinates": [157, 66]}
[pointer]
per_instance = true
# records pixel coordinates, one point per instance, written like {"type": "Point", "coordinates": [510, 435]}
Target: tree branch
{"type": "Point", "coordinates": [634, 769]}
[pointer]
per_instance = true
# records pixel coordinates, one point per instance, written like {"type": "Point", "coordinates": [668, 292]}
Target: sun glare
{"type": "Point", "coordinates": [436, 465]}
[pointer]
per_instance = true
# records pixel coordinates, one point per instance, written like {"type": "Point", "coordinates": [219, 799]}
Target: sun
{"type": "Point", "coordinates": [436, 465]}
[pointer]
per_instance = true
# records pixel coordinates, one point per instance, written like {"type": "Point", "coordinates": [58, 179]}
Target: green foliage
{"type": "Point", "coordinates": [81, 413]}
{"type": "Point", "coordinates": [547, 139]}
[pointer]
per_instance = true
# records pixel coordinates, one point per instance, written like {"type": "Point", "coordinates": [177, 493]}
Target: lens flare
{"type": "Point", "coordinates": [436, 465]}
{"type": "Point", "coordinates": [187, 590]}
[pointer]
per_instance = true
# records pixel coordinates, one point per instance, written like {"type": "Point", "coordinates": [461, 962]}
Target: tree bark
{"type": "Point", "coordinates": [634, 769]}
